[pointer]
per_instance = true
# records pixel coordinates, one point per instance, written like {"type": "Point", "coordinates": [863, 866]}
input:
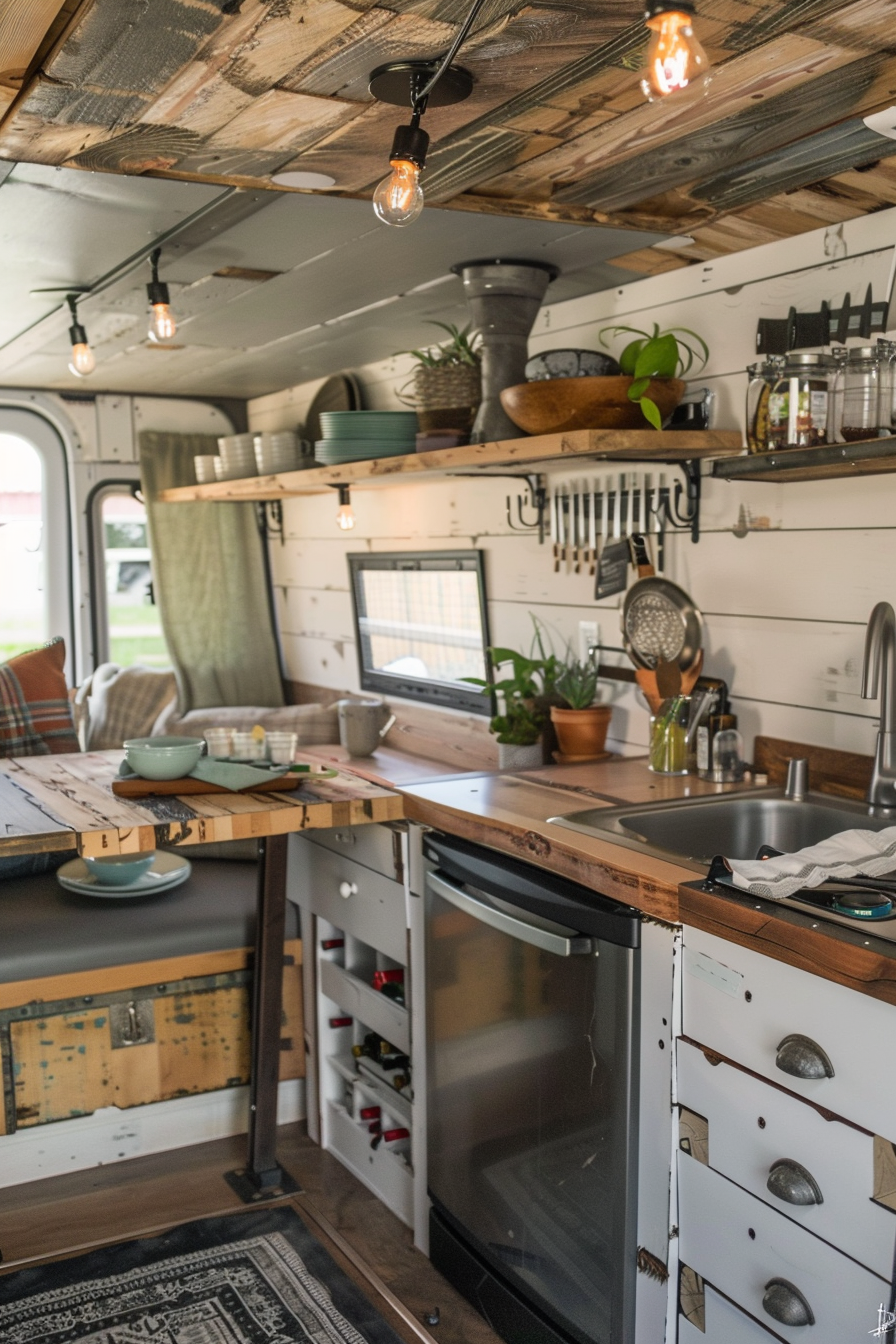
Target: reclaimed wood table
{"type": "Point", "coordinates": [58, 803]}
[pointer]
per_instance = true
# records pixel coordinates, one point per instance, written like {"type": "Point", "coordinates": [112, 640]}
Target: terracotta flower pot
{"type": "Point", "coordinates": [581, 732]}
{"type": "Point", "coordinates": [559, 405]}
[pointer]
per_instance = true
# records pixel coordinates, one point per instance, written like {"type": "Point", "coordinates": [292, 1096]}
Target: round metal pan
{"type": "Point", "coordinates": [659, 620]}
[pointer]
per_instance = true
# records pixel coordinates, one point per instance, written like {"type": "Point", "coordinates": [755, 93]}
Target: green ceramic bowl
{"type": "Point", "coordinates": [119, 870]}
{"type": "Point", "coordinates": [163, 757]}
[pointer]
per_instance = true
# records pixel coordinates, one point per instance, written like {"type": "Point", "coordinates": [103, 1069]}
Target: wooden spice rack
{"type": "Point", "coordinates": [536, 453]}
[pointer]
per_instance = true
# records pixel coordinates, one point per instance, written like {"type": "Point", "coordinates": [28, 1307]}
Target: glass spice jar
{"type": "Point", "coordinates": [762, 379]}
{"type": "Point", "coordinates": [798, 409]}
{"type": "Point", "coordinates": [888, 352]}
{"type": "Point", "coordinates": [864, 394]}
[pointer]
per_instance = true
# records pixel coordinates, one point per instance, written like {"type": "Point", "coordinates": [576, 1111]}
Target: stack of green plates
{"type": "Point", "coordinates": [358, 436]}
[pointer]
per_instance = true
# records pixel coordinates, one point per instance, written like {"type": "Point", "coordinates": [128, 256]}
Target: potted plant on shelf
{"type": "Point", "coordinates": [648, 387]}
{"type": "Point", "coordinates": [581, 724]}
{"type": "Point", "coordinates": [656, 362]}
{"type": "Point", "coordinates": [447, 382]}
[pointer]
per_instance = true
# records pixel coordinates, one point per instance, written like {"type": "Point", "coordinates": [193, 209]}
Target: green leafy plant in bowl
{"type": "Point", "coordinates": [657, 354]}
{"type": "Point", "coordinates": [527, 690]}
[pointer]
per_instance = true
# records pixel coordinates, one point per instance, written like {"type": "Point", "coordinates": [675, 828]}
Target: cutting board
{"type": "Point", "coordinates": [145, 788]}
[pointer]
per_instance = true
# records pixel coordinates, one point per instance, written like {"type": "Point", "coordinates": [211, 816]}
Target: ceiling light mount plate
{"type": "Point", "coordinates": [398, 81]}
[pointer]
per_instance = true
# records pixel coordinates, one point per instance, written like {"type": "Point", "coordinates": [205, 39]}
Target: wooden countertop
{"type": "Point", "coordinates": [510, 813]}
{"type": "Point", "coordinates": [51, 803]}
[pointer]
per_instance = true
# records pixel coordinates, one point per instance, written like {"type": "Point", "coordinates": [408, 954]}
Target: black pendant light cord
{"type": "Point", "coordinates": [418, 104]}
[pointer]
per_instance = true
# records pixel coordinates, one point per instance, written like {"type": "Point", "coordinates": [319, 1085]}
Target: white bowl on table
{"type": "Point", "coordinates": [163, 757]}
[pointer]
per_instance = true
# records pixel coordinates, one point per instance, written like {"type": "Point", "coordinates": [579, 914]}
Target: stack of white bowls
{"type": "Point", "coordinates": [237, 457]}
{"type": "Point", "coordinates": [205, 466]}
{"type": "Point", "coordinates": [276, 452]}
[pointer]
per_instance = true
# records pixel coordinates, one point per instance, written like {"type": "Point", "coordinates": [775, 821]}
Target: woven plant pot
{"type": "Point", "coordinates": [447, 397]}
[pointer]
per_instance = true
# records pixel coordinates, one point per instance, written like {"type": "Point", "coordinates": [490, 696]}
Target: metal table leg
{"type": "Point", "coordinates": [263, 1177]}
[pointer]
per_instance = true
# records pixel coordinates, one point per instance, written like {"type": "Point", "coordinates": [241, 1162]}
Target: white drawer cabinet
{"type": "Point", "coordinates": [723, 1324]}
{"type": "Point", "coordinates": [746, 1006]}
{"type": "Point", "coordinates": [358, 920]}
{"type": "Point", "coordinates": [352, 897]}
{"type": "Point", "coordinates": [376, 847]}
{"type": "Point", "coordinates": [762, 1261]}
{"type": "Point", "coordinates": [753, 1127]}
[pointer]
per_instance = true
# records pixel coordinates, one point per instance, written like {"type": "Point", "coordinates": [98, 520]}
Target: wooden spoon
{"type": "Point", "coordinates": [668, 679]}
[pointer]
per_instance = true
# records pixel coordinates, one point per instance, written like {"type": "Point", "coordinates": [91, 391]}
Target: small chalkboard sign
{"type": "Point", "coordinates": [612, 571]}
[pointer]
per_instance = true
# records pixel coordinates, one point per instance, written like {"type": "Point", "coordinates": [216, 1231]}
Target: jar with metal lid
{"type": "Point", "coordinates": [798, 404]}
{"type": "Point", "coordinates": [762, 378]}
{"type": "Point", "coordinates": [864, 395]}
{"type": "Point", "coordinates": [887, 351]}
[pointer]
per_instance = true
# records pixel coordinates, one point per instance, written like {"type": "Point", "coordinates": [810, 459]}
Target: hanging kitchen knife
{"type": "Point", "coordinates": [578, 537]}
{"type": "Point", "coordinates": [555, 527]}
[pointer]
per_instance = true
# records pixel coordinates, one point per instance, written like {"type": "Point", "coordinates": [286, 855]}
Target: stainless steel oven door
{"type": "Point", "coordinates": [532, 1128]}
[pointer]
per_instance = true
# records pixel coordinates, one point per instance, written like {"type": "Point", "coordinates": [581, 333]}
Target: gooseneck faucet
{"type": "Point", "coordinates": [879, 673]}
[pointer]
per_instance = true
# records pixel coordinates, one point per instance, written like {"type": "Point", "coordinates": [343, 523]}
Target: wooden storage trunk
{"type": "Point", "coordinates": [128, 1035]}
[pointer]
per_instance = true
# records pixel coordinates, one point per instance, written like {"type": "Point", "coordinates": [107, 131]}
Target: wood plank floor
{"type": "Point", "coordinates": [67, 1215]}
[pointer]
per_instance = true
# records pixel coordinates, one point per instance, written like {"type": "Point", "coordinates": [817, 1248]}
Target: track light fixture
{"type": "Point", "coordinates": [675, 57]}
{"type": "Point", "coordinates": [83, 360]}
{"type": "Point", "coordinates": [398, 200]}
{"type": "Point", "coordinates": [345, 514]}
{"type": "Point", "coordinates": [162, 325]}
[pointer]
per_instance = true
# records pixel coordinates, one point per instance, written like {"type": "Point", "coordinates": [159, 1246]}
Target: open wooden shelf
{"type": "Point", "coordinates": [871, 457]}
{"type": "Point", "coordinates": [538, 453]}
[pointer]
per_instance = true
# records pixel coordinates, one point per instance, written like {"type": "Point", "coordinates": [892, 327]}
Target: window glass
{"type": "Point", "coordinates": [23, 595]}
{"type": "Point", "coordinates": [134, 630]}
{"type": "Point", "coordinates": [422, 626]}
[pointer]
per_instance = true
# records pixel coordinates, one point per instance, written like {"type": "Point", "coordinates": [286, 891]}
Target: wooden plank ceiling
{"type": "Point", "coordinates": [556, 128]}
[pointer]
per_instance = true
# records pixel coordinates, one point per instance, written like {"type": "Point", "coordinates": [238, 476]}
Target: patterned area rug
{"type": "Point", "coordinates": [258, 1278]}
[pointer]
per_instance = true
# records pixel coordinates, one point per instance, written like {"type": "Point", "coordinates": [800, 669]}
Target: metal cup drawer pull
{"type": "Point", "coordinates": [791, 1182]}
{"type": "Point", "coordinates": [802, 1057]}
{"type": "Point", "coordinates": [784, 1302]}
{"type": "Point", "coordinates": [347, 889]}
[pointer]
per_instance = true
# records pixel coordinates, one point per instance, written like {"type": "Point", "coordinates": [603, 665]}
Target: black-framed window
{"type": "Point", "coordinates": [421, 625]}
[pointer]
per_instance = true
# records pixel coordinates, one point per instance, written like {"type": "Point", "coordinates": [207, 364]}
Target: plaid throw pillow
{"type": "Point", "coordinates": [35, 714]}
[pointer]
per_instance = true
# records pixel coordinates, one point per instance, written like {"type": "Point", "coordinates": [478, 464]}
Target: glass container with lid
{"type": "Point", "coordinates": [762, 378]}
{"type": "Point", "coordinates": [864, 394]}
{"type": "Point", "coordinates": [798, 404]}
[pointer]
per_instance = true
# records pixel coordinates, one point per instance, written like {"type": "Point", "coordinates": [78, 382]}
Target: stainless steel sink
{"type": "Point", "coordinates": [691, 831]}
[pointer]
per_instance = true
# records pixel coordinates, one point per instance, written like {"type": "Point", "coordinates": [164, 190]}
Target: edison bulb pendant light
{"type": "Point", "coordinates": [345, 514]}
{"type": "Point", "coordinates": [398, 200]}
{"type": "Point", "coordinates": [675, 56]}
{"type": "Point", "coordinates": [83, 360]}
{"type": "Point", "coordinates": [162, 325]}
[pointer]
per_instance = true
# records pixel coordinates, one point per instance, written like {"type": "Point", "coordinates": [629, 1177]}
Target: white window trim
{"type": "Point", "coordinates": [57, 541]}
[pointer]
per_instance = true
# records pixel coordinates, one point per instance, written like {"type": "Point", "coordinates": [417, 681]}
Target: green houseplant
{"type": "Point", "coordinates": [660, 355]}
{"type": "Point", "coordinates": [527, 690]}
{"type": "Point", "coordinates": [447, 381]}
{"type": "Point", "coordinates": [580, 724]}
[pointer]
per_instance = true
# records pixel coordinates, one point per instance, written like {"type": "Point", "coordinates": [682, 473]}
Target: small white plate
{"type": "Point", "coordinates": [168, 871]}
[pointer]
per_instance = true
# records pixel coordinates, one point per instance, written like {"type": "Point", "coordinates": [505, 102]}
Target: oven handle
{"type": "Point", "coordinates": [515, 928]}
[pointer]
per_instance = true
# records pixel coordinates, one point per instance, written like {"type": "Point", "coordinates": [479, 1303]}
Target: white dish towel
{"type": "Point", "coordinates": [849, 854]}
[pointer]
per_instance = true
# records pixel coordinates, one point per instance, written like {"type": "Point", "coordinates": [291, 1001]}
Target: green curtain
{"type": "Point", "coordinates": [210, 584]}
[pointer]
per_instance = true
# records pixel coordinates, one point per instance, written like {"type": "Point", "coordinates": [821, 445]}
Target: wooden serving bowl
{"type": "Point", "coordinates": [556, 405]}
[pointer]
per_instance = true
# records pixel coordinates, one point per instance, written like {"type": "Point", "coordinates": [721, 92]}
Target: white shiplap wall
{"type": "Point", "coordinates": [785, 606]}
